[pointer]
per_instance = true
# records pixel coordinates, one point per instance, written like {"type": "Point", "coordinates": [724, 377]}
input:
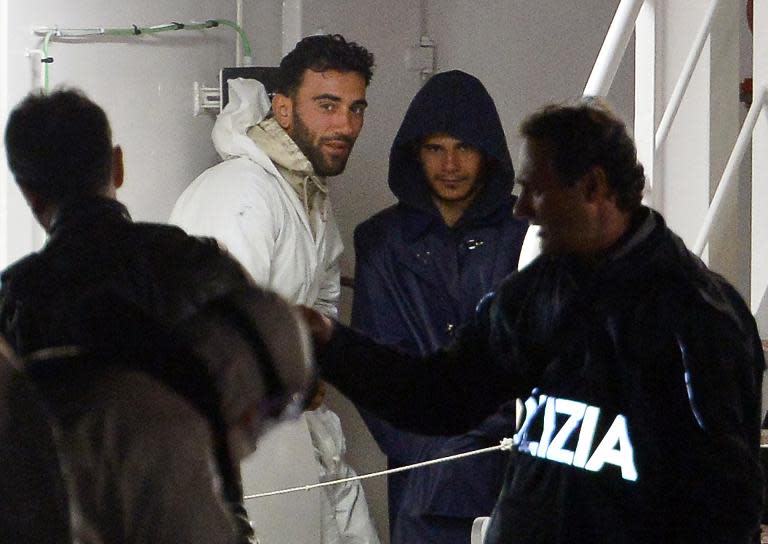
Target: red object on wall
{"type": "Point", "coordinates": [745, 91]}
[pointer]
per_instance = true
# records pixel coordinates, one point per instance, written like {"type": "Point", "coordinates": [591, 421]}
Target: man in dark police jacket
{"type": "Point", "coordinates": [642, 369]}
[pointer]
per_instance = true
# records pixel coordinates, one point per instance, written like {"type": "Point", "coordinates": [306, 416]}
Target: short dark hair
{"type": "Point", "coordinates": [321, 53]}
{"type": "Point", "coordinates": [59, 145]}
{"type": "Point", "coordinates": [585, 133]}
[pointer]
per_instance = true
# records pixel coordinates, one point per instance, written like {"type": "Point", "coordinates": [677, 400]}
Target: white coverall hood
{"type": "Point", "coordinates": [248, 105]}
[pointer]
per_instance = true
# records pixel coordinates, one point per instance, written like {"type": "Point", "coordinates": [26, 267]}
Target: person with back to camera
{"type": "Point", "coordinates": [156, 359]}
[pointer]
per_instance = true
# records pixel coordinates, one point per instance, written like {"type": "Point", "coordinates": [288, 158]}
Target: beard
{"type": "Point", "coordinates": [311, 145]}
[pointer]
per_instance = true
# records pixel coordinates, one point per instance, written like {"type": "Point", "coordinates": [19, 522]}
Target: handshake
{"type": "Point", "coordinates": [320, 327]}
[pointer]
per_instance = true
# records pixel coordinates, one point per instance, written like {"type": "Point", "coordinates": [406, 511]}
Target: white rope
{"type": "Point", "coordinates": [505, 445]}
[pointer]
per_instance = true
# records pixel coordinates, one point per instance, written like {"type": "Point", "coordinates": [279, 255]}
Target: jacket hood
{"type": "Point", "coordinates": [458, 104]}
{"type": "Point", "coordinates": [248, 105]}
{"type": "Point", "coordinates": [270, 137]}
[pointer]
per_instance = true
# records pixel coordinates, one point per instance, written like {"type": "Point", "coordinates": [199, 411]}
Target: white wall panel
{"type": "Point", "coordinates": [528, 52]}
{"type": "Point", "coordinates": [144, 84]}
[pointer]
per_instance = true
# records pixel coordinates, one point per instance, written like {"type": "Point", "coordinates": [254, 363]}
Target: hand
{"type": "Point", "coordinates": [319, 325]}
{"type": "Point", "coordinates": [7, 356]}
{"type": "Point", "coordinates": [318, 397]}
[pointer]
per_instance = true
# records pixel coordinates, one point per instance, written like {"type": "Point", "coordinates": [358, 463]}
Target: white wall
{"type": "Point", "coordinates": [528, 52]}
{"type": "Point", "coordinates": [694, 156]}
{"type": "Point", "coordinates": [683, 174]}
{"type": "Point", "coordinates": [144, 84]}
{"type": "Point", "coordinates": [4, 181]}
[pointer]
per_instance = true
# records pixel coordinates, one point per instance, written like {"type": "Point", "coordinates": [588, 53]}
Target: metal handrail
{"type": "Point", "coordinates": [685, 76]}
{"type": "Point", "coordinates": [731, 169]}
{"type": "Point", "coordinates": [614, 46]}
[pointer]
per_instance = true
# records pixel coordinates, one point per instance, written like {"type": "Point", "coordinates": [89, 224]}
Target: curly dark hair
{"type": "Point", "coordinates": [584, 133]}
{"type": "Point", "coordinates": [59, 145]}
{"type": "Point", "coordinates": [321, 53]}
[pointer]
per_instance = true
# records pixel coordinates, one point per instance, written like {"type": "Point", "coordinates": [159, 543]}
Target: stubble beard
{"type": "Point", "coordinates": [322, 165]}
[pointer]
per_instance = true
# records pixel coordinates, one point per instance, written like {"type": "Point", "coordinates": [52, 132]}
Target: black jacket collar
{"type": "Point", "coordinates": [88, 210]}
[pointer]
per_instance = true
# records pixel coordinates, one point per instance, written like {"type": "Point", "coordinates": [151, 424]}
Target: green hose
{"type": "Point", "coordinates": [211, 23]}
{"type": "Point", "coordinates": [45, 60]}
{"type": "Point", "coordinates": [243, 37]}
{"type": "Point", "coordinates": [138, 31]}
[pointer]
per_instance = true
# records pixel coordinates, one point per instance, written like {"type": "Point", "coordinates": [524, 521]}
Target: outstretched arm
{"type": "Point", "coordinates": [447, 393]}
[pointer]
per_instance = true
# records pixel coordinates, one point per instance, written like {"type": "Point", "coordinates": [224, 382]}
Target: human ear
{"type": "Point", "coordinates": [118, 168]}
{"type": "Point", "coordinates": [594, 185]}
{"type": "Point", "coordinates": [282, 109]}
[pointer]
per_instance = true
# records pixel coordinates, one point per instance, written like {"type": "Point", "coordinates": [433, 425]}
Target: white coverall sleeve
{"type": "Point", "coordinates": [234, 205]}
{"type": "Point", "coordinates": [251, 236]}
{"type": "Point", "coordinates": [327, 302]}
{"type": "Point", "coordinates": [345, 510]}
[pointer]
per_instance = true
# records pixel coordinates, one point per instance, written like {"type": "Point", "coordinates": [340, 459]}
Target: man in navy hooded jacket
{"type": "Point", "coordinates": [422, 266]}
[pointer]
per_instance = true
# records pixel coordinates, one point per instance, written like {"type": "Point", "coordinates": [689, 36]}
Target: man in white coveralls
{"type": "Point", "coordinates": [267, 202]}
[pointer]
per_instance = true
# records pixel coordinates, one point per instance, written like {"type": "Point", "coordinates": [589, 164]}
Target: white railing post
{"type": "Point", "coordinates": [731, 172]}
{"type": "Point", "coordinates": [759, 298]}
{"type": "Point", "coordinates": [645, 92]}
{"type": "Point", "coordinates": [616, 40]}
{"type": "Point", "coordinates": [685, 76]}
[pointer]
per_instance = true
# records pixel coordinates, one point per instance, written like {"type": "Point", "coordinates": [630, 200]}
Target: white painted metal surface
{"type": "Point", "coordinates": [531, 247]}
{"type": "Point", "coordinates": [645, 92]}
{"type": "Point", "coordinates": [292, 24]}
{"type": "Point", "coordinates": [731, 172]}
{"type": "Point", "coordinates": [685, 76]}
{"type": "Point", "coordinates": [479, 530]}
{"type": "Point", "coordinates": [613, 49]}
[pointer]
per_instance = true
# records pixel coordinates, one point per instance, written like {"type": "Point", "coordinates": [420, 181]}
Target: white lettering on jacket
{"type": "Point", "coordinates": [614, 448]}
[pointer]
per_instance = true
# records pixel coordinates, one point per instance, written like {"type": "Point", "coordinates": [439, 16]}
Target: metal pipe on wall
{"type": "Point", "coordinates": [239, 42]}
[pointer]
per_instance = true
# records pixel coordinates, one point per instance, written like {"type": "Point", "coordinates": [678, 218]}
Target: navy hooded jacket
{"type": "Point", "coordinates": [417, 279]}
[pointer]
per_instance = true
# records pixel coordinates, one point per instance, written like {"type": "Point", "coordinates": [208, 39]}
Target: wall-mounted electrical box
{"type": "Point", "coordinates": [215, 98]}
{"type": "Point", "coordinates": [265, 74]}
